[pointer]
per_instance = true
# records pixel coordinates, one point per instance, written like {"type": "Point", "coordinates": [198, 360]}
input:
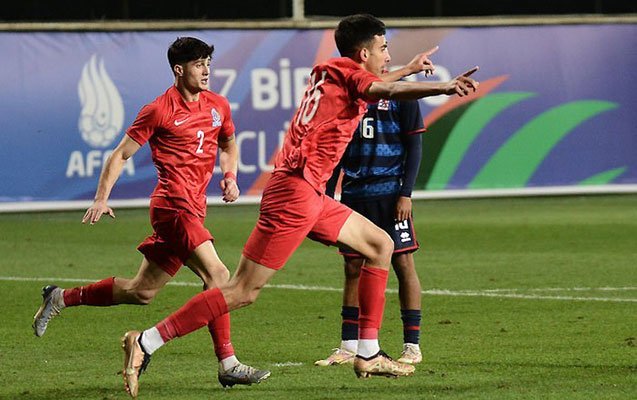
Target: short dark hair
{"type": "Point", "coordinates": [186, 49]}
{"type": "Point", "coordinates": [354, 31]}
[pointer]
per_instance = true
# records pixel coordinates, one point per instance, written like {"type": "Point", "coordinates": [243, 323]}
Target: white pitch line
{"type": "Point", "coordinates": [525, 296]}
{"type": "Point", "coordinates": [574, 289]}
{"type": "Point", "coordinates": [496, 293]}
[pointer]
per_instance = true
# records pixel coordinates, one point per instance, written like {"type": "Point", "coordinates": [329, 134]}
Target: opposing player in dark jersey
{"type": "Point", "coordinates": [184, 127]}
{"type": "Point", "coordinates": [379, 167]}
{"type": "Point", "coordinates": [294, 205]}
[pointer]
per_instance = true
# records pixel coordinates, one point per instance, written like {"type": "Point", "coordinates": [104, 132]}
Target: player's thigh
{"type": "Point", "coordinates": [290, 207]}
{"type": "Point", "coordinates": [361, 235]}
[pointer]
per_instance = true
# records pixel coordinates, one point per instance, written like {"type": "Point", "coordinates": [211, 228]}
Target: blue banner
{"type": "Point", "coordinates": [555, 106]}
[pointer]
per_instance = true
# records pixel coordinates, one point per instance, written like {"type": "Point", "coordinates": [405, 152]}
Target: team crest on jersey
{"type": "Point", "coordinates": [216, 118]}
{"type": "Point", "coordinates": [383, 105]}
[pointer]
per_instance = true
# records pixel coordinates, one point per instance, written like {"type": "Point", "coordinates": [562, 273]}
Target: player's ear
{"type": "Point", "coordinates": [363, 53]}
{"type": "Point", "coordinates": [178, 70]}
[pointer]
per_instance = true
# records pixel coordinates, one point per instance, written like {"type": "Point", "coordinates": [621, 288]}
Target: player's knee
{"type": "Point", "coordinates": [401, 263]}
{"type": "Point", "coordinates": [383, 250]}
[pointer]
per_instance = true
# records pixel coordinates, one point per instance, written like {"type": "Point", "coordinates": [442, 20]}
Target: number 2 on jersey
{"type": "Point", "coordinates": [200, 147]}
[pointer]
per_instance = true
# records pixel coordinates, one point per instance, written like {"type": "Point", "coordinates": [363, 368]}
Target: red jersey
{"type": "Point", "coordinates": [324, 123]}
{"type": "Point", "coordinates": [183, 142]}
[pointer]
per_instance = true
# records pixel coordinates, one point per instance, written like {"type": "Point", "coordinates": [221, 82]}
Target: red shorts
{"type": "Point", "coordinates": [291, 210]}
{"type": "Point", "coordinates": [176, 234]}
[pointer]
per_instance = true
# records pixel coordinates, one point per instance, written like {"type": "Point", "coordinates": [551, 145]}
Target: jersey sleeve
{"type": "Point", "coordinates": [413, 147]}
{"type": "Point", "coordinates": [145, 124]}
{"type": "Point", "coordinates": [359, 81]}
{"type": "Point", "coordinates": [410, 117]}
{"type": "Point", "coordinates": [227, 127]}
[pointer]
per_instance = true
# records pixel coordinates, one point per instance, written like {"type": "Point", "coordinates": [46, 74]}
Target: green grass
{"type": "Point", "coordinates": [555, 343]}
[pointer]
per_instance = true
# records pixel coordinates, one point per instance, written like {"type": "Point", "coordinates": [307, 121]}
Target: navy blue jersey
{"type": "Point", "coordinates": [374, 163]}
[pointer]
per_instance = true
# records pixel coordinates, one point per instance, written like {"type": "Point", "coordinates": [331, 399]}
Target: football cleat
{"type": "Point", "coordinates": [381, 364]}
{"type": "Point", "coordinates": [136, 361]}
{"type": "Point", "coordinates": [241, 374]}
{"type": "Point", "coordinates": [411, 354]}
{"type": "Point", "coordinates": [52, 304]}
{"type": "Point", "coordinates": [338, 357]}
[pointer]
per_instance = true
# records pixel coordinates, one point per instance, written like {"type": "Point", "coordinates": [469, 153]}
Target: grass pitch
{"type": "Point", "coordinates": [529, 298]}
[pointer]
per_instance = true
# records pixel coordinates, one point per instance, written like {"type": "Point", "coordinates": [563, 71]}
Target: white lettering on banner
{"type": "Point", "coordinates": [90, 165]}
{"type": "Point", "coordinates": [270, 89]}
{"type": "Point", "coordinates": [230, 75]}
{"type": "Point", "coordinates": [264, 89]}
{"type": "Point", "coordinates": [285, 81]}
{"type": "Point", "coordinates": [245, 140]}
{"type": "Point", "coordinates": [240, 137]}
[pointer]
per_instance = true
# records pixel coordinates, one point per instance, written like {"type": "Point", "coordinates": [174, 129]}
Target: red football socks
{"type": "Point", "coordinates": [96, 294]}
{"type": "Point", "coordinates": [197, 312]}
{"type": "Point", "coordinates": [371, 298]}
{"type": "Point", "coordinates": [220, 332]}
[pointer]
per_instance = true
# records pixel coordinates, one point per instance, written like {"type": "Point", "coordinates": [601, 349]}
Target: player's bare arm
{"type": "Point", "coordinates": [228, 161]}
{"type": "Point", "coordinates": [420, 63]}
{"type": "Point", "coordinates": [462, 85]}
{"type": "Point", "coordinates": [109, 175]}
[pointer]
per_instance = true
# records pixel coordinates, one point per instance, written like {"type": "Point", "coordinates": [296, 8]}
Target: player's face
{"type": "Point", "coordinates": [378, 55]}
{"type": "Point", "coordinates": [196, 74]}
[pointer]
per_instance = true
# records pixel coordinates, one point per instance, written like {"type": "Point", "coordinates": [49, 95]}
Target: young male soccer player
{"type": "Point", "coordinates": [380, 166]}
{"type": "Point", "coordinates": [294, 205]}
{"type": "Point", "coordinates": [184, 126]}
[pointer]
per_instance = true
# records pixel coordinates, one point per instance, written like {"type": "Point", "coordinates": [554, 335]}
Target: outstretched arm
{"type": "Point", "coordinates": [419, 63]}
{"type": "Point", "coordinates": [110, 173]}
{"type": "Point", "coordinates": [228, 161]}
{"type": "Point", "coordinates": [461, 85]}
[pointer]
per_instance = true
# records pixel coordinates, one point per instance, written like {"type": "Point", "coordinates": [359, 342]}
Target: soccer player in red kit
{"type": "Point", "coordinates": [184, 127]}
{"type": "Point", "coordinates": [294, 205]}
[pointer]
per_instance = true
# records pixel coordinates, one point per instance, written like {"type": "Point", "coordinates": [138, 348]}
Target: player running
{"type": "Point", "coordinates": [184, 127]}
{"type": "Point", "coordinates": [294, 205]}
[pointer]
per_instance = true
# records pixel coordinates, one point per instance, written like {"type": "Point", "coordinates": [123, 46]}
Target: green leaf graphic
{"type": "Point", "coordinates": [603, 177]}
{"type": "Point", "coordinates": [464, 132]}
{"type": "Point", "coordinates": [515, 161]}
{"type": "Point", "coordinates": [434, 140]}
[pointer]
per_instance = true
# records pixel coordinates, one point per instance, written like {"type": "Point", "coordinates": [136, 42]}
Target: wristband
{"type": "Point", "coordinates": [230, 175]}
